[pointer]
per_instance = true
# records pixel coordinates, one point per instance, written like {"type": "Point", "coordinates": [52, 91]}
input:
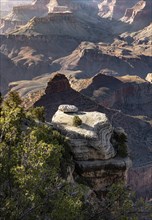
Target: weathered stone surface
{"type": "Point", "coordinates": [92, 148]}
{"type": "Point", "coordinates": [68, 108]}
{"type": "Point", "coordinates": [89, 141]}
{"type": "Point", "coordinates": [149, 77]}
{"type": "Point", "coordinates": [100, 173]}
{"type": "Point", "coordinates": [21, 14]}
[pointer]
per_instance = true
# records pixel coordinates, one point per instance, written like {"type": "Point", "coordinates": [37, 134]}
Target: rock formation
{"type": "Point", "coordinates": [61, 24]}
{"type": "Point", "coordinates": [118, 57]}
{"type": "Point", "coordinates": [115, 9]}
{"type": "Point", "coordinates": [78, 43]}
{"type": "Point", "coordinates": [134, 15]}
{"type": "Point", "coordinates": [131, 11]}
{"type": "Point", "coordinates": [130, 94]}
{"type": "Point", "coordinates": [52, 91]}
{"type": "Point", "coordinates": [58, 91]}
{"type": "Point", "coordinates": [91, 147]}
{"type": "Point", "coordinates": [21, 14]}
{"type": "Point", "coordinates": [94, 133]}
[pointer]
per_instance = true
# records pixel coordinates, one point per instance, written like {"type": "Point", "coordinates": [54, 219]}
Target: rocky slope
{"type": "Point", "coordinates": [118, 57]}
{"type": "Point", "coordinates": [130, 94]}
{"type": "Point", "coordinates": [56, 93]}
{"type": "Point", "coordinates": [60, 24]}
{"type": "Point", "coordinates": [21, 14]}
{"type": "Point", "coordinates": [76, 42]}
{"type": "Point", "coordinates": [140, 40]}
{"type": "Point", "coordinates": [26, 58]}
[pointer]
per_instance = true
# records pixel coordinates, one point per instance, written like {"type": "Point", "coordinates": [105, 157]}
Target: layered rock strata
{"type": "Point", "coordinates": [91, 140]}
{"type": "Point", "coordinates": [92, 149]}
{"type": "Point", "coordinates": [21, 14]}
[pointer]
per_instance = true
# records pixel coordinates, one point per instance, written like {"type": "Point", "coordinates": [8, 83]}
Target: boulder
{"type": "Point", "coordinates": [68, 108]}
{"type": "Point", "coordinates": [92, 139]}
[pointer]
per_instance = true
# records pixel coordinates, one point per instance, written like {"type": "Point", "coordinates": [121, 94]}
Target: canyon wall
{"type": "Point", "coordinates": [131, 11]}
{"type": "Point", "coordinates": [140, 180]}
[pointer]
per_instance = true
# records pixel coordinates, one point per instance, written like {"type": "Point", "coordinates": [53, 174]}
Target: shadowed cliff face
{"type": "Point", "coordinates": [131, 95]}
{"type": "Point", "coordinates": [58, 91]}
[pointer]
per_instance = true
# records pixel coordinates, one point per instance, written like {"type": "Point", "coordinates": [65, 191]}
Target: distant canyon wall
{"type": "Point", "coordinates": [140, 180]}
{"type": "Point", "coordinates": [130, 11]}
{"type": "Point", "coordinates": [132, 98]}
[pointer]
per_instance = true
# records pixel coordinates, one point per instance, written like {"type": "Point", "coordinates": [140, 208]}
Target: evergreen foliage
{"type": "Point", "coordinates": [31, 153]}
{"type": "Point", "coordinates": [77, 121]}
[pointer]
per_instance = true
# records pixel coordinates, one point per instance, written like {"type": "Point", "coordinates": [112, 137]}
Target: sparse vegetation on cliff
{"type": "Point", "coordinates": [77, 121]}
{"type": "Point", "coordinates": [31, 153]}
{"type": "Point", "coordinates": [32, 184]}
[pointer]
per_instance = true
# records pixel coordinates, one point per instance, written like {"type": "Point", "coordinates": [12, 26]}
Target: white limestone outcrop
{"type": "Point", "coordinates": [68, 108]}
{"type": "Point", "coordinates": [92, 139]}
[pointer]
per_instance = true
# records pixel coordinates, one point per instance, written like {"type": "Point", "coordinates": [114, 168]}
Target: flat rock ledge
{"type": "Point", "coordinates": [103, 173]}
{"type": "Point", "coordinates": [90, 140]}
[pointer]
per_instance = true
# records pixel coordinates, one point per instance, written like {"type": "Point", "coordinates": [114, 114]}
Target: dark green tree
{"type": "Point", "coordinates": [30, 167]}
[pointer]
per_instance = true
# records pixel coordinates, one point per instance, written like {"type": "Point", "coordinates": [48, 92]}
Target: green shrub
{"type": "Point", "coordinates": [77, 121]}
{"type": "Point", "coordinates": [37, 113]}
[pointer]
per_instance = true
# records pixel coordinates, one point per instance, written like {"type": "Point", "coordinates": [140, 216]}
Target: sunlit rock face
{"type": "Point", "coordinates": [149, 77]}
{"type": "Point", "coordinates": [130, 11]}
{"type": "Point", "coordinates": [91, 140]}
{"type": "Point", "coordinates": [134, 15]}
{"type": "Point", "coordinates": [115, 8]}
